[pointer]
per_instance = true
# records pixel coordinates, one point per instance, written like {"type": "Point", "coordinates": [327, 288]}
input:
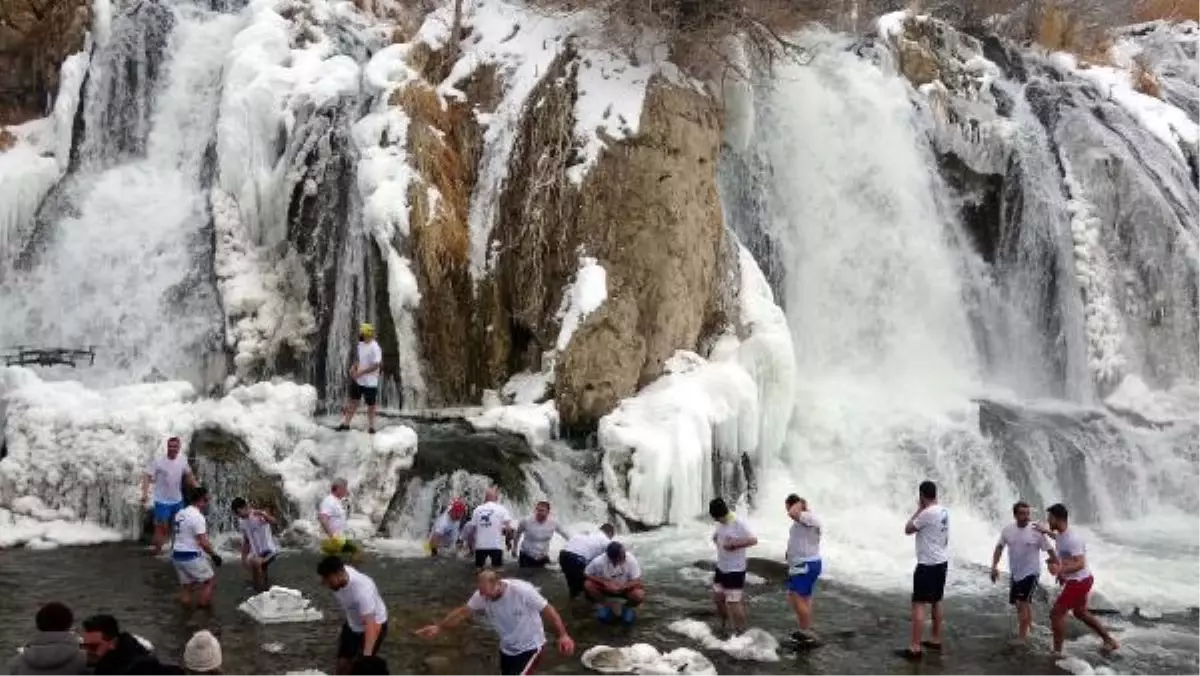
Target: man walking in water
{"type": "Point", "coordinates": [331, 514]}
{"type": "Point", "coordinates": [1025, 546]}
{"type": "Point", "coordinates": [443, 537]}
{"type": "Point", "coordinates": [931, 525]}
{"type": "Point", "coordinates": [488, 529]}
{"type": "Point", "coordinates": [732, 538]}
{"type": "Point", "coordinates": [1076, 578]}
{"type": "Point", "coordinates": [804, 564]}
{"type": "Point", "coordinates": [579, 551]}
{"type": "Point", "coordinates": [533, 537]}
{"type": "Point", "coordinates": [515, 610]}
{"type": "Point", "coordinates": [191, 544]}
{"type": "Point", "coordinates": [364, 378]}
{"type": "Point", "coordinates": [258, 544]}
{"type": "Point", "coordinates": [168, 474]}
{"type": "Point", "coordinates": [366, 613]}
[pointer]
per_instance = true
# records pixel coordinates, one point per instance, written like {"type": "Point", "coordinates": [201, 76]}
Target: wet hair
{"type": "Point", "coordinates": [237, 504]}
{"type": "Point", "coordinates": [369, 664]}
{"type": "Point", "coordinates": [1058, 510]}
{"type": "Point", "coordinates": [105, 624]}
{"type": "Point", "coordinates": [614, 551]}
{"type": "Point", "coordinates": [1019, 505]}
{"type": "Point", "coordinates": [717, 508]}
{"type": "Point", "coordinates": [330, 565]}
{"type": "Point", "coordinates": [543, 502]}
{"type": "Point", "coordinates": [608, 530]}
{"type": "Point", "coordinates": [791, 500]}
{"type": "Point", "coordinates": [174, 441]}
{"type": "Point", "coordinates": [339, 482]}
{"type": "Point", "coordinates": [54, 616]}
{"type": "Point", "coordinates": [198, 494]}
{"type": "Point", "coordinates": [928, 490]}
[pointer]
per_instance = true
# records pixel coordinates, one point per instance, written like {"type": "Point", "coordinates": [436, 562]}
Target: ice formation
{"type": "Point", "coordinates": [753, 644]}
{"type": "Point", "coordinates": [643, 658]}
{"type": "Point", "coordinates": [278, 605]}
{"type": "Point", "coordinates": [538, 423]}
{"type": "Point", "coordinates": [581, 298]}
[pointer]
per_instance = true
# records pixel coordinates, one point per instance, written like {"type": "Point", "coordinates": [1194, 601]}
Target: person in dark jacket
{"type": "Point", "coordinates": [110, 650]}
{"type": "Point", "coordinates": [55, 648]}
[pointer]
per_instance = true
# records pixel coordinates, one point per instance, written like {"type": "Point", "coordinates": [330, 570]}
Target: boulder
{"type": "Point", "coordinates": [221, 461]}
{"type": "Point", "coordinates": [35, 37]}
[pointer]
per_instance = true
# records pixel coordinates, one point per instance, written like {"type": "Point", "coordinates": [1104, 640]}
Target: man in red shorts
{"type": "Point", "coordinates": [1074, 576]}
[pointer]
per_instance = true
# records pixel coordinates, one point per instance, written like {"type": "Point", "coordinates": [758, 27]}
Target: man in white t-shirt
{"type": "Point", "coordinates": [258, 543]}
{"type": "Point", "coordinates": [1075, 577]}
{"type": "Point", "coordinates": [1025, 545]}
{"type": "Point", "coordinates": [515, 610]}
{"type": "Point", "coordinates": [579, 551]}
{"type": "Point", "coordinates": [189, 549]}
{"type": "Point", "coordinates": [366, 613]}
{"type": "Point", "coordinates": [444, 536]}
{"type": "Point", "coordinates": [615, 575]}
{"type": "Point", "coordinates": [803, 557]}
{"type": "Point", "coordinates": [534, 533]}
{"type": "Point", "coordinates": [364, 378]}
{"type": "Point", "coordinates": [931, 526]}
{"type": "Point", "coordinates": [331, 514]}
{"type": "Point", "coordinates": [489, 529]}
{"type": "Point", "coordinates": [169, 474]}
{"type": "Point", "coordinates": [732, 538]}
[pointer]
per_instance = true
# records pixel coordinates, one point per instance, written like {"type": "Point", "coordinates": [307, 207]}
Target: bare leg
{"type": "Point", "coordinates": [185, 595]}
{"type": "Point", "coordinates": [722, 609]}
{"type": "Point", "coordinates": [937, 623]}
{"type": "Point", "coordinates": [1024, 619]}
{"type": "Point", "coordinates": [343, 666]}
{"type": "Point", "coordinates": [260, 575]}
{"type": "Point", "coordinates": [1058, 627]}
{"type": "Point", "coordinates": [206, 592]}
{"type": "Point", "coordinates": [371, 415]}
{"type": "Point", "coordinates": [160, 536]}
{"type": "Point", "coordinates": [350, 410]}
{"type": "Point", "coordinates": [918, 627]}
{"type": "Point", "coordinates": [1090, 620]}
{"type": "Point", "coordinates": [737, 616]}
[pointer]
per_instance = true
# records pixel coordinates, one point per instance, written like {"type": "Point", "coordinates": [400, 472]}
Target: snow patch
{"type": "Point", "coordinates": [278, 605]}
{"type": "Point", "coordinates": [30, 523]}
{"type": "Point", "coordinates": [753, 644]}
{"type": "Point", "coordinates": [694, 574]}
{"type": "Point", "coordinates": [581, 298]}
{"type": "Point", "coordinates": [538, 423]}
{"type": "Point", "coordinates": [612, 92]}
{"type": "Point", "coordinates": [643, 658]}
{"type": "Point", "coordinates": [526, 387]}
{"type": "Point", "coordinates": [891, 25]}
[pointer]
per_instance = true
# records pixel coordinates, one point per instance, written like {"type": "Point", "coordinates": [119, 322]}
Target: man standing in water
{"type": "Point", "coordinates": [1076, 578]}
{"type": "Point", "coordinates": [533, 537]}
{"type": "Point", "coordinates": [1025, 546]}
{"type": "Point", "coordinates": [443, 537]}
{"type": "Point", "coordinates": [168, 474]}
{"type": "Point", "coordinates": [931, 524]}
{"type": "Point", "coordinates": [488, 529]}
{"type": "Point", "coordinates": [258, 544]}
{"type": "Point", "coordinates": [732, 539]}
{"type": "Point", "coordinates": [804, 564]}
{"type": "Point", "coordinates": [579, 551]}
{"type": "Point", "coordinates": [515, 610]}
{"type": "Point", "coordinates": [191, 544]}
{"type": "Point", "coordinates": [366, 614]}
{"type": "Point", "coordinates": [332, 516]}
{"type": "Point", "coordinates": [364, 378]}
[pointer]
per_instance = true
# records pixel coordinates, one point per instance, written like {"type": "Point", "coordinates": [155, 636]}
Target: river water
{"type": "Point", "coordinates": [861, 628]}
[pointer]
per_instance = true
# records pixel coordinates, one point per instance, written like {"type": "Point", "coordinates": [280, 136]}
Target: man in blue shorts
{"type": "Point", "coordinates": [804, 564]}
{"type": "Point", "coordinates": [168, 474]}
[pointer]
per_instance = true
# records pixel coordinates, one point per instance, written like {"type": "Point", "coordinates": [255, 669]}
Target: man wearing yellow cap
{"type": "Point", "coordinates": [364, 378]}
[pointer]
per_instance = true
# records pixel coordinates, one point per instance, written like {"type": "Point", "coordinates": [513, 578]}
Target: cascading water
{"type": "Point", "coordinates": [121, 268]}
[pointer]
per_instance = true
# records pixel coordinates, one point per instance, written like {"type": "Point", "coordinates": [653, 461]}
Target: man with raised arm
{"type": "Point", "coordinates": [366, 613]}
{"type": "Point", "coordinates": [515, 610]}
{"type": "Point", "coordinates": [258, 543]}
{"type": "Point", "coordinates": [1075, 577]}
{"type": "Point", "coordinates": [168, 475]}
{"type": "Point", "coordinates": [1025, 545]}
{"type": "Point", "coordinates": [931, 526]}
{"type": "Point", "coordinates": [804, 564]}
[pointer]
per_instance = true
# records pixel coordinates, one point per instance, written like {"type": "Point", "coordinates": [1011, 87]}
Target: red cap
{"type": "Point", "coordinates": [457, 506]}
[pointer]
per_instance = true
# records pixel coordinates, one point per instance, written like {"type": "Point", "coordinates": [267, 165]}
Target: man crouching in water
{"type": "Point", "coordinates": [191, 544]}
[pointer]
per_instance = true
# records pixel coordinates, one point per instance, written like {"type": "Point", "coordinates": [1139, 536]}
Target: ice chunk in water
{"type": "Point", "coordinates": [643, 658]}
{"type": "Point", "coordinates": [280, 604]}
{"type": "Point", "coordinates": [753, 644]}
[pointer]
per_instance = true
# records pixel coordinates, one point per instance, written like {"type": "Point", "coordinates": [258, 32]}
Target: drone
{"type": "Point", "coordinates": [49, 356]}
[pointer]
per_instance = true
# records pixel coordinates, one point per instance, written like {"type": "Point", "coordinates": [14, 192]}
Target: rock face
{"type": "Point", "coordinates": [35, 37]}
{"type": "Point", "coordinates": [222, 462]}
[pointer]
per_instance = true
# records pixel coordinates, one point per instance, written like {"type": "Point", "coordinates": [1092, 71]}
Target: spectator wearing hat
{"type": "Point", "coordinates": [202, 654]}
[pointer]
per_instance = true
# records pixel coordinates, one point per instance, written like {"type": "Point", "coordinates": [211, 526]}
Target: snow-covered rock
{"type": "Point", "coordinates": [278, 605]}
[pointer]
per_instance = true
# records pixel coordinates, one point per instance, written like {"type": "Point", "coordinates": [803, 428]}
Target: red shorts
{"type": "Point", "coordinates": [1074, 595]}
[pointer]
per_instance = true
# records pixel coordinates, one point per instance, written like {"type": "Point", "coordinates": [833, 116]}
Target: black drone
{"type": "Point", "coordinates": [49, 356]}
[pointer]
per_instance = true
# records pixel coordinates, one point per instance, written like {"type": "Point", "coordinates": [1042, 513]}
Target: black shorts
{"type": "Point", "coordinates": [572, 566]}
{"type": "Point", "coordinates": [522, 663]}
{"type": "Point", "coordinates": [929, 583]}
{"type": "Point", "coordinates": [526, 561]}
{"type": "Point", "coordinates": [350, 642]}
{"type": "Point", "coordinates": [729, 580]}
{"type": "Point", "coordinates": [1022, 590]}
{"type": "Point", "coordinates": [496, 555]}
{"type": "Point", "coordinates": [367, 394]}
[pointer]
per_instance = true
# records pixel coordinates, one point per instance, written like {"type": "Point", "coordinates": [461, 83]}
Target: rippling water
{"type": "Point", "coordinates": [863, 628]}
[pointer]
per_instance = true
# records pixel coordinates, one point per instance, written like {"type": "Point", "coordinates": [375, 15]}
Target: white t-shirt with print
{"type": "Point", "coordinates": [1069, 544]}
{"type": "Point", "coordinates": [359, 598]}
{"type": "Point", "coordinates": [933, 535]}
{"type": "Point", "coordinates": [369, 354]}
{"type": "Point", "coordinates": [603, 568]}
{"type": "Point", "coordinates": [1025, 547]}
{"type": "Point", "coordinates": [735, 561]}
{"type": "Point", "coordinates": [257, 532]}
{"type": "Point", "coordinates": [335, 513]}
{"type": "Point", "coordinates": [189, 525]}
{"type": "Point", "coordinates": [488, 521]}
{"type": "Point", "coordinates": [516, 616]}
{"type": "Point", "coordinates": [168, 478]}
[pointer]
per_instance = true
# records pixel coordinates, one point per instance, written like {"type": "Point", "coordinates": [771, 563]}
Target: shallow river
{"type": "Point", "coordinates": [862, 629]}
